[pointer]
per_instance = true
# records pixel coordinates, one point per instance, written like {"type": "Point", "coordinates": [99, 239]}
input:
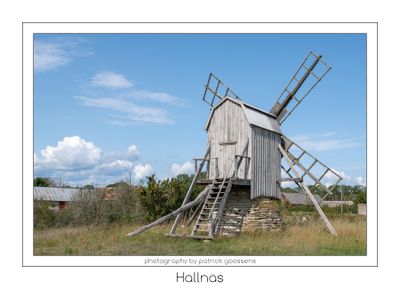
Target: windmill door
{"type": "Point", "coordinates": [227, 152]}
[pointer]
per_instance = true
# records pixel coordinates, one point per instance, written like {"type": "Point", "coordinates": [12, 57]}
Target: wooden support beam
{"type": "Point", "coordinates": [290, 180]}
{"type": "Point", "coordinates": [189, 192]}
{"type": "Point", "coordinates": [195, 166]}
{"type": "Point", "coordinates": [236, 168]}
{"type": "Point", "coordinates": [200, 198]}
{"type": "Point", "coordinates": [308, 193]}
{"type": "Point", "coordinates": [193, 216]}
{"type": "Point", "coordinates": [244, 154]}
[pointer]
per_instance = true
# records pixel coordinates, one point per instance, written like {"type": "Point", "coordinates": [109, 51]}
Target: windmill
{"type": "Point", "coordinates": [247, 149]}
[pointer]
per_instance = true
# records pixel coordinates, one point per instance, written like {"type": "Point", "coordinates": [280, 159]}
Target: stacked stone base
{"type": "Point", "coordinates": [244, 215]}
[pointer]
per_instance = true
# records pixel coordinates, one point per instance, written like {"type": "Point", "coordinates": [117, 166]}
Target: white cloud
{"type": "Point", "coordinates": [132, 113]}
{"type": "Point", "coordinates": [141, 171]}
{"type": "Point", "coordinates": [115, 167]}
{"type": "Point", "coordinates": [330, 178]}
{"type": "Point", "coordinates": [129, 106]}
{"type": "Point", "coordinates": [81, 162]}
{"type": "Point", "coordinates": [110, 79]}
{"type": "Point", "coordinates": [324, 142]}
{"type": "Point", "coordinates": [153, 96]}
{"type": "Point", "coordinates": [360, 181]}
{"type": "Point", "coordinates": [71, 153]}
{"type": "Point", "coordinates": [51, 54]}
{"type": "Point", "coordinates": [185, 168]}
{"type": "Point", "coordinates": [288, 184]}
{"type": "Point", "coordinates": [133, 152]}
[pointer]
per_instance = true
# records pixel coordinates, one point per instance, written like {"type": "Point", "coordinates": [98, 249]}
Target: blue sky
{"type": "Point", "coordinates": [106, 105]}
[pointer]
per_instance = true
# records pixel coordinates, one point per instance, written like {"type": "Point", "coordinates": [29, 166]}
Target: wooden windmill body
{"type": "Point", "coordinates": [247, 149]}
{"type": "Point", "coordinates": [237, 130]}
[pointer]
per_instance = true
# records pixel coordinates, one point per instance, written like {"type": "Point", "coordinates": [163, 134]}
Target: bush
{"type": "Point", "coordinates": [361, 198]}
{"type": "Point", "coordinates": [160, 198]}
{"type": "Point", "coordinates": [46, 214]}
{"type": "Point", "coordinates": [64, 217]}
{"type": "Point", "coordinates": [88, 207]}
{"type": "Point", "coordinates": [43, 215]}
{"type": "Point", "coordinates": [127, 205]}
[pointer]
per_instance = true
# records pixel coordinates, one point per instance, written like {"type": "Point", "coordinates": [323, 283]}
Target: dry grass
{"type": "Point", "coordinates": [310, 239]}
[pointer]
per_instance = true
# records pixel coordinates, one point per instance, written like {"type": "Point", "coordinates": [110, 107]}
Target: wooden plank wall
{"type": "Point", "coordinates": [265, 163]}
{"type": "Point", "coordinates": [228, 124]}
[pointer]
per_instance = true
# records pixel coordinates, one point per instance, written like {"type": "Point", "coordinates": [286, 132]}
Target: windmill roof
{"type": "Point", "coordinates": [254, 115]}
{"type": "Point", "coordinates": [300, 198]}
{"type": "Point", "coordinates": [54, 194]}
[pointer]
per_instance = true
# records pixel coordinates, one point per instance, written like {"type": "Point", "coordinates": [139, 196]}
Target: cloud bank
{"type": "Point", "coordinates": [81, 162]}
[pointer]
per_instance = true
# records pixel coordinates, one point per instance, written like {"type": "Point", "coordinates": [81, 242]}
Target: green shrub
{"type": "Point", "coordinates": [43, 215]}
{"type": "Point", "coordinates": [64, 217]}
{"type": "Point", "coordinates": [163, 197]}
{"type": "Point", "coordinates": [361, 198]}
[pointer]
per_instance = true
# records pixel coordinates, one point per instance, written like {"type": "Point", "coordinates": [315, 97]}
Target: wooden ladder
{"type": "Point", "coordinates": [212, 209]}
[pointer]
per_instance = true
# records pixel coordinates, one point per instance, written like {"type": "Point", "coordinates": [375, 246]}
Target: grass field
{"type": "Point", "coordinates": [309, 239]}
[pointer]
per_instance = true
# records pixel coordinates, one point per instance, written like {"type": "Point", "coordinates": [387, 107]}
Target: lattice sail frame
{"type": "Point", "coordinates": [297, 80]}
{"type": "Point", "coordinates": [216, 90]}
{"type": "Point", "coordinates": [289, 147]}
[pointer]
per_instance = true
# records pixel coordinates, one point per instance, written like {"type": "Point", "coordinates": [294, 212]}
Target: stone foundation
{"type": "Point", "coordinates": [244, 215]}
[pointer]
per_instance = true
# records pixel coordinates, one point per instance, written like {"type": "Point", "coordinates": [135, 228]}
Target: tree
{"type": "Point", "coordinates": [43, 182]}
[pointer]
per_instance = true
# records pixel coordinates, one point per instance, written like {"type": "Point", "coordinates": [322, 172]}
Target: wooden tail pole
{"type": "Point", "coordinates": [189, 192]}
{"type": "Point", "coordinates": [200, 198]}
{"type": "Point", "coordinates": [308, 193]}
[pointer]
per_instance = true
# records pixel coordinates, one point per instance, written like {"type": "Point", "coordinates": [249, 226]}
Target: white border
{"type": "Point", "coordinates": [369, 28]}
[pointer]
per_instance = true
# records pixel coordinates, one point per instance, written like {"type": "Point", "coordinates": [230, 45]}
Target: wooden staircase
{"type": "Point", "coordinates": [212, 210]}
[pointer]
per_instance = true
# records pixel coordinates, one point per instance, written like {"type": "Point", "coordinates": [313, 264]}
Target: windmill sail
{"type": "Point", "coordinates": [311, 71]}
{"type": "Point", "coordinates": [216, 90]}
{"type": "Point", "coordinates": [306, 190]}
{"type": "Point", "coordinates": [317, 173]}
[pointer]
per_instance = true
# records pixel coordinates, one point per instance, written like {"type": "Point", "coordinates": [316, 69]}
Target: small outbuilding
{"type": "Point", "coordinates": [59, 196]}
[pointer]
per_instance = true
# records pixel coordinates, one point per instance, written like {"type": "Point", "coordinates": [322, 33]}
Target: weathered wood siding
{"type": "Point", "coordinates": [228, 134]}
{"type": "Point", "coordinates": [265, 163]}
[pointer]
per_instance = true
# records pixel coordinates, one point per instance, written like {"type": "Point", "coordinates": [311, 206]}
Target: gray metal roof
{"type": "Point", "coordinates": [300, 198]}
{"type": "Point", "coordinates": [54, 194]}
{"type": "Point", "coordinates": [254, 115]}
{"type": "Point", "coordinates": [261, 119]}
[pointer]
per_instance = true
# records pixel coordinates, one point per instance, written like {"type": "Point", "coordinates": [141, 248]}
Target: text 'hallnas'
{"type": "Point", "coordinates": [196, 277]}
